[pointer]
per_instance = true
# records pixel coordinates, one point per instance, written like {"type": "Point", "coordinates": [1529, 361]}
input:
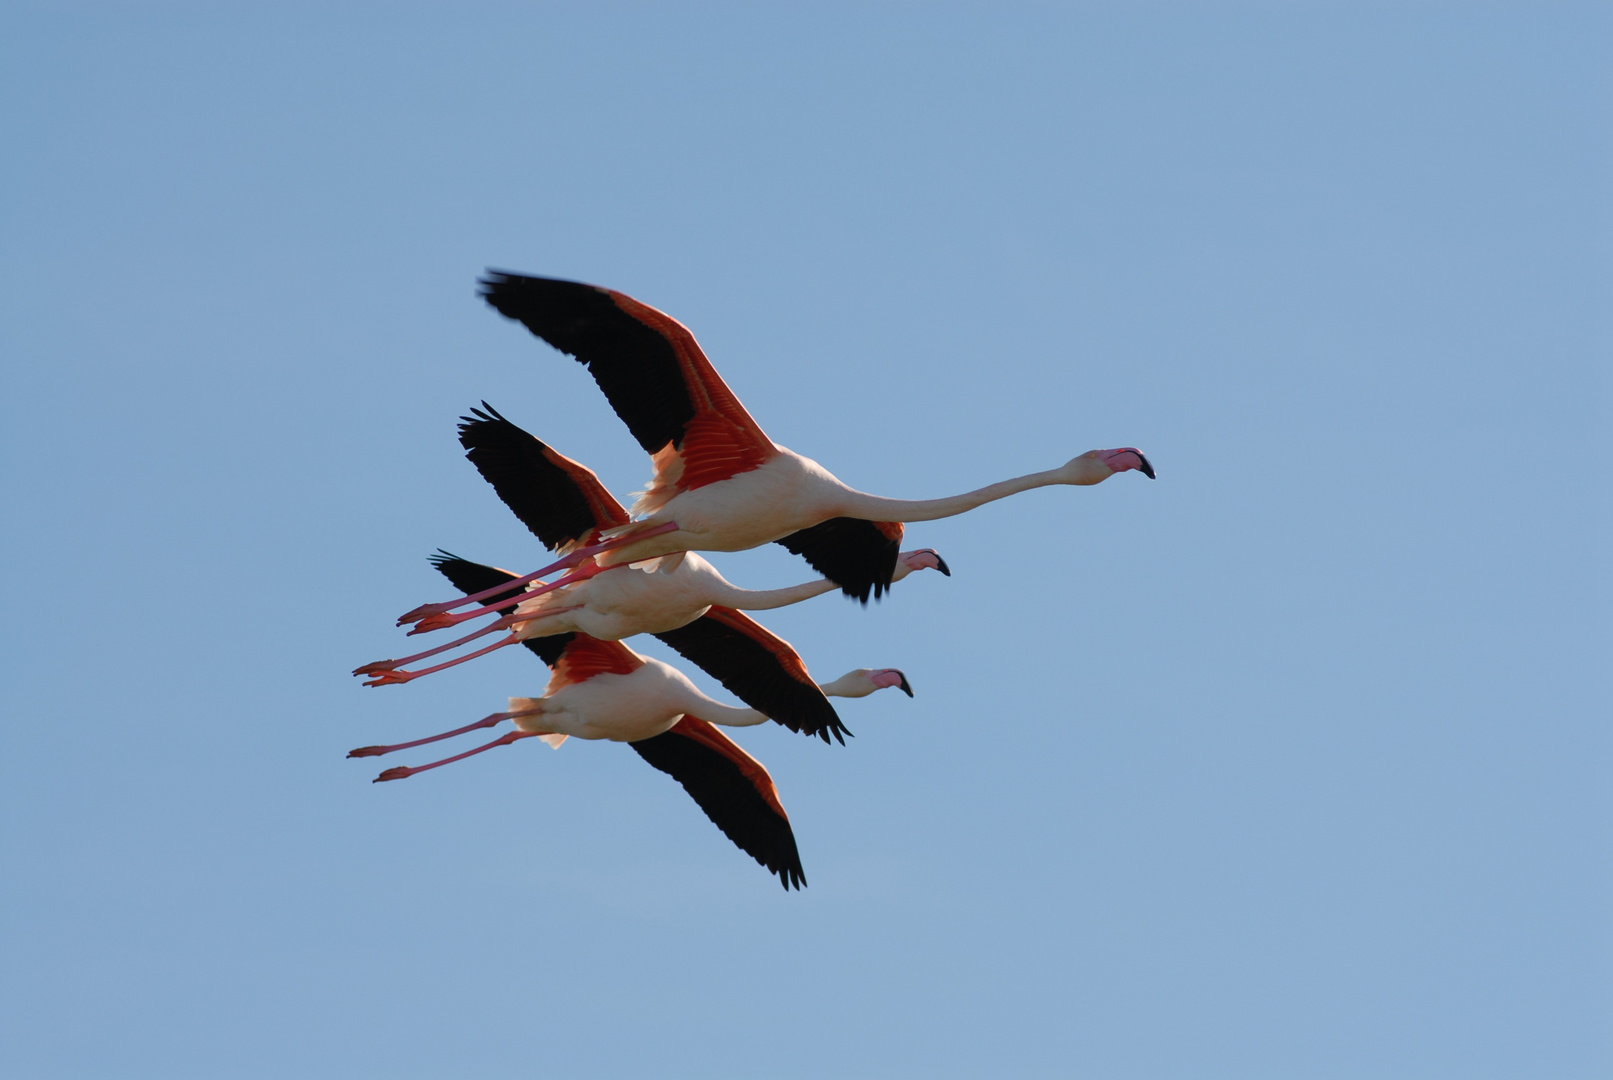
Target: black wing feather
{"type": "Point", "coordinates": [469, 577]}
{"type": "Point", "coordinates": [749, 670]}
{"type": "Point", "coordinates": [635, 366]}
{"type": "Point", "coordinates": [850, 552]}
{"type": "Point", "coordinates": [539, 492]}
{"type": "Point", "coordinates": [730, 800]}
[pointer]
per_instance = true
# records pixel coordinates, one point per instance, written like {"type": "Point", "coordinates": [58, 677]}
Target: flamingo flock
{"type": "Point", "coordinates": [719, 484]}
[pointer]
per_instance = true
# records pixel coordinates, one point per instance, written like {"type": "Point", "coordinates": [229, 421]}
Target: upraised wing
{"type": "Point", "coordinates": [559, 499]}
{"type": "Point", "coordinates": [651, 370]}
{"type": "Point", "coordinates": [859, 556]}
{"type": "Point", "coordinates": [759, 668]}
{"type": "Point", "coordinates": [733, 789]}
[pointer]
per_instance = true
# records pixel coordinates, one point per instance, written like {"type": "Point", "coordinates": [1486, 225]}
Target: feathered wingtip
{"type": "Point", "coordinates": [484, 415]}
{"type": "Point", "coordinates": [441, 558]}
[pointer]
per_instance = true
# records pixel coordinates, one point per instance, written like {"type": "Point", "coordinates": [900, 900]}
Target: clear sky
{"type": "Point", "coordinates": [1291, 763]}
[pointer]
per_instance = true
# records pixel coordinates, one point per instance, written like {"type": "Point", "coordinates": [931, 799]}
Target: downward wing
{"type": "Point", "coordinates": [759, 668]}
{"type": "Point", "coordinates": [560, 500]}
{"type": "Point", "coordinates": [651, 370]}
{"type": "Point", "coordinates": [732, 788]}
{"type": "Point", "coordinates": [857, 555]}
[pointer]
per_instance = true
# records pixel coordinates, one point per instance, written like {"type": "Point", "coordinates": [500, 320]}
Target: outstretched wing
{"type": "Point", "coordinates": [759, 668]}
{"type": "Point", "coordinates": [651, 369]}
{"type": "Point", "coordinates": [857, 555]}
{"type": "Point", "coordinates": [469, 577]}
{"type": "Point", "coordinates": [732, 788]}
{"type": "Point", "coordinates": [560, 500]}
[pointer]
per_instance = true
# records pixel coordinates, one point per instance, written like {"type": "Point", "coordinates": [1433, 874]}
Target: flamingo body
{"type": "Point", "coordinates": [602, 690]}
{"type": "Point", "coordinates": [720, 483]}
{"type": "Point", "coordinates": [663, 594]}
{"type": "Point", "coordinates": [680, 597]}
{"type": "Point", "coordinates": [753, 664]}
{"type": "Point", "coordinates": [646, 598]}
{"type": "Point", "coordinates": [782, 495]}
{"type": "Point", "coordinates": [625, 707]}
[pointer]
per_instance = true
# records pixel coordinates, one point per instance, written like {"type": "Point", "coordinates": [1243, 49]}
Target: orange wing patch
{"type": "Point", "coordinates": [722, 440]}
{"type": "Point", "coordinates": [706, 734]}
{"type": "Point", "coordinates": [715, 448]}
{"type": "Point", "coordinates": [891, 530]}
{"type": "Point", "coordinates": [601, 503]}
{"type": "Point", "coordinates": [788, 658]}
{"type": "Point", "coordinates": [587, 656]}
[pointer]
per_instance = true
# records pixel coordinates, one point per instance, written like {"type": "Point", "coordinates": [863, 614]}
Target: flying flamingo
{"type": "Point", "coordinates": [720, 483]}
{"type": "Point", "coordinates": [681, 598]}
{"type": "Point", "coordinates": [754, 665]}
{"type": "Point", "coordinates": [604, 690]}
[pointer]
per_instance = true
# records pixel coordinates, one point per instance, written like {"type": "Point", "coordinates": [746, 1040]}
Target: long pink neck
{"type": "Point", "coordinates": [711, 587]}
{"type": "Point", "coordinates": [876, 508]}
{"type": "Point", "coordinates": [716, 712]}
{"type": "Point", "coordinates": [764, 599]}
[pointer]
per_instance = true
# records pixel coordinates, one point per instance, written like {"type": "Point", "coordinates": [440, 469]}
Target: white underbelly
{"type": "Point", "coordinates": [782, 496]}
{"type": "Point", "coordinates": [629, 601]}
{"type": "Point", "coordinates": [622, 708]}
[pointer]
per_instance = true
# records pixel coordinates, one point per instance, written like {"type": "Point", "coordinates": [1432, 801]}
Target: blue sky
{"type": "Point", "coordinates": [1290, 763]}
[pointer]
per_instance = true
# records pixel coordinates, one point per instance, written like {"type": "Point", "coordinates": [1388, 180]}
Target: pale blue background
{"type": "Point", "coordinates": [1290, 764]}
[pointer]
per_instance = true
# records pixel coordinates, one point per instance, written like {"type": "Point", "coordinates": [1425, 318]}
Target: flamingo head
{"type": "Point", "coordinates": [1096, 466]}
{"type": "Point", "coordinates": [890, 676]}
{"type": "Point", "coordinates": [865, 681]}
{"type": "Point", "coordinates": [922, 559]}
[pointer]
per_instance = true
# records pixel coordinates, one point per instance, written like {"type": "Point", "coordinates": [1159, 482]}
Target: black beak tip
{"type": "Point", "coordinates": [906, 688]}
{"type": "Point", "coordinates": [1147, 469]}
{"type": "Point", "coordinates": [941, 565]}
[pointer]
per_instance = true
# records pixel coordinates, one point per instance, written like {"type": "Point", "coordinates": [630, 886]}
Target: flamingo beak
{"type": "Point", "coordinates": [941, 565]}
{"type": "Point", "coordinates": [890, 677]}
{"type": "Point", "coordinates": [1116, 460]}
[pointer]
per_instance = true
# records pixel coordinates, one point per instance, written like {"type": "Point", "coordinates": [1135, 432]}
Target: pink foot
{"type": "Point", "coordinates": [385, 676]}
{"type": "Point", "coordinates": [442, 619]}
{"type": "Point", "coordinates": [387, 665]}
{"type": "Point", "coordinates": [491, 720]}
{"type": "Point", "coordinates": [388, 677]}
{"type": "Point", "coordinates": [403, 772]}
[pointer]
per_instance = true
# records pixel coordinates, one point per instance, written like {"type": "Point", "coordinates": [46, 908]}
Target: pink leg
{"type": "Point", "coordinates": [545, 613]}
{"type": "Point", "coordinates": [389, 676]}
{"type": "Point", "coordinates": [441, 619]}
{"type": "Point", "coordinates": [402, 772]}
{"type": "Point", "coordinates": [564, 564]}
{"type": "Point", "coordinates": [385, 665]}
{"type": "Point", "coordinates": [492, 720]}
